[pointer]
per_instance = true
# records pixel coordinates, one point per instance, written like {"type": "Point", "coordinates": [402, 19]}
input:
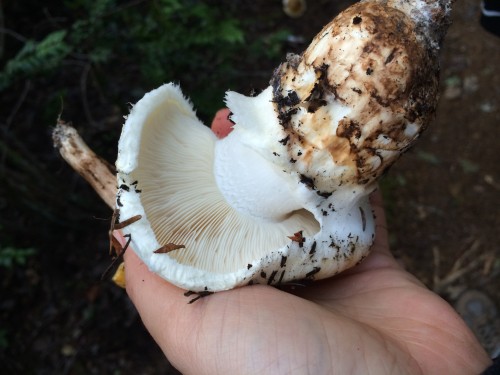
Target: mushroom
{"type": "Point", "coordinates": [284, 196]}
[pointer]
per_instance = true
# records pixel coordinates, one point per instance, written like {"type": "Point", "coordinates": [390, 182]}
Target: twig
{"type": "Point", "coordinates": [12, 33]}
{"type": "Point", "coordinates": [2, 36]}
{"type": "Point", "coordinates": [462, 258]}
{"type": "Point", "coordinates": [98, 172]}
{"type": "Point", "coordinates": [437, 265]}
{"type": "Point", "coordinates": [459, 268]}
{"type": "Point", "coordinates": [83, 88]}
{"type": "Point", "coordinates": [19, 103]}
{"type": "Point", "coordinates": [455, 275]}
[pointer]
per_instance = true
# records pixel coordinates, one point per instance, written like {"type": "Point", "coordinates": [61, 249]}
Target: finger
{"type": "Point", "coordinates": [381, 243]}
{"type": "Point", "coordinates": [202, 333]}
{"type": "Point", "coordinates": [380, 254]}
{"type": "Point", "coordinates": [162, 306]}
{"type": "Point", "coordinates": [139, 279]}
{"type": "Point", "coordinates": [144, 287]}
{"type": "Point", "coordinates": [153, 297]}
{"type": "Point", "coordinates": [141, 282]}
{"type": "Point", "coordinates": [221, 125]}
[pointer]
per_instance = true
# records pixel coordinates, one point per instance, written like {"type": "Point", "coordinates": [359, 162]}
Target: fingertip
{"type": "Point", "coordinates": [136, 272]}
{"type": "Point", "coordinates": [145, 288]}
{"type": "Point", "coordinates": [381, 243]}
{"type": "Point", "coordinates": [376, 198]}
{"type": "Point", "coordinates": [377, 203]}
{"type": "Point", "coordinates": [221, 125]}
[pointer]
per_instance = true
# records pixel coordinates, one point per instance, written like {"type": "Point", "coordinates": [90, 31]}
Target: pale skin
{"type": "Point", "coordinates": [373, 319]}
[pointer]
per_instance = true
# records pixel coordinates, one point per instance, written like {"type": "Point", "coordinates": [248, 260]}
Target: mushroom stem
{"type": "Point", "coordinates": [95, 170]}
{"type": "Point", "coordinates": [431, 18]}
{"type": "Point", "coordinates": [248, 181]}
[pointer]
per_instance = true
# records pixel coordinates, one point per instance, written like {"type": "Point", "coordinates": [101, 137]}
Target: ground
{"type": "Point", "coordinates": [57, 316]}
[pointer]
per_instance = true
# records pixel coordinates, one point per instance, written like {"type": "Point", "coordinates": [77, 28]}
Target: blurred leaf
{"type": "Point", "coordinates": [4, 341]}
{"type": "Point", "coordinates": [453, 81]}
{"type": "Point", "coordinates": [35, 58]}
{"type": "Point", "coordinates": [468, 166]}
{"type": "Point", "coordinates": [11, 256]}
{"type": "Point", "coordinates": [428, 157]}
{"type": "Point", "coordinates": [401, 179]}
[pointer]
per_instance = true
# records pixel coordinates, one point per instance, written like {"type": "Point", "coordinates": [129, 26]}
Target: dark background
{"type": "Point", "coordinates": [87, 60]}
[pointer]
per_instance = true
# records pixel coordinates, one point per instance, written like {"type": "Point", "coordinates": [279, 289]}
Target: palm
{"type": "Point", "coordinates": [373, 319]}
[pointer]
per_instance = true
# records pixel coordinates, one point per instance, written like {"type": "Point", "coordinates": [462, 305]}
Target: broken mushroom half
{"type": "Point", "coordinates": [284, 196]}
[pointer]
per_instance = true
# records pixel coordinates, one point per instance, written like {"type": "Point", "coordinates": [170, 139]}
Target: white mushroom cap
{"type": "Point", "coordinates": [166, 174]}
{"type": "Point", "coordinates": [285, 196]}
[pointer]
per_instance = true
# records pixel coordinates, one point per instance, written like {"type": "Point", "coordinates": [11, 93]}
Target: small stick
{"type": "Point", "coordinates": [297, 237]}
{"type": "Point", "coordinates": [100, 175]}
{"type": "Point", "coordinates": [168, 248]}
{"type": "Point", "coordinates": [119, 256]}
{"type": "Point", "coordinates": [199, 295]}
{"type": "Point", "coordinates": [115, 245]}
{"type": "Point", "coordinates": [98, 172]}
{"type": "Point", "coordinates": [115, 225]}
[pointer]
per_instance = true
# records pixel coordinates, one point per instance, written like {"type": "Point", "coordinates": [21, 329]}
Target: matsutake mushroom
{"type": "Point", "coordinates": [284, 196]}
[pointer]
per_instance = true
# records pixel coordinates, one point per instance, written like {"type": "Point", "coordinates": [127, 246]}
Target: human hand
{"type": "Point", "coordinates": [373, 319]}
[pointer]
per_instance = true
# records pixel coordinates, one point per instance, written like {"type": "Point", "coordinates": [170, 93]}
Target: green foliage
{"type": "Point", "coordinates": [468, 166]}
{"type": "Point", "coordinates": [12, 256]}
{"type": "Point", "coordinates": [193, 42]}
{"type": "Point", "coordinates": [203, 45]}
{"type": "Point", "coordinates": [4, 341]}
{"type": "Point", "coordinates": [177, 37]}
{"type": "Point", "coordinates": [35, 58]}
{"type": "Point", "coordinates": [270, 45]}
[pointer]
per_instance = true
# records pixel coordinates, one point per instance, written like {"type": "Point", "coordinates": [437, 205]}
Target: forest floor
{"type": "Point", "coordinates": [442, 201]}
